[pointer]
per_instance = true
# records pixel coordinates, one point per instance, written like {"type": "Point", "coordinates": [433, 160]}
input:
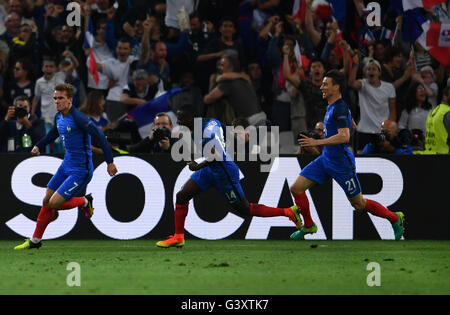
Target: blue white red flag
{"type": "Point", "coordinates": [436, 40]}
{"type": "Point", "coordinates": [144, 114]}
{"type": "Point", "coordinates": [299, 10]}
{"type": "Point", "coordinates": [88, 43]}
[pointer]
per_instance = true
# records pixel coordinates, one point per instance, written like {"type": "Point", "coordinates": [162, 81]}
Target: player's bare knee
{"type": "Point", "coordinates": [296, 190]}
{"type": "Point", "coordinates": [46, 202]}
{"type": "Point", "coordinates": [182, 198]}
{"type": "Point", "coordinates": [242, 208]}
{"type": "Point", "coordinates": [358, 205]}
{"type": "Point", "coordinates": [53, 205]}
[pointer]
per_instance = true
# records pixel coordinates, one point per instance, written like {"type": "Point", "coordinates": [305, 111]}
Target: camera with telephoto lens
{"type": "Point", "coordinates": [379, 138]}
{"type": "Point", "coordinates": [405, 137]}
{"type": "Point", "coordinates": [20, 111]}
{"type": "Point", "coordinates": [161, 133]}
{"type": "Point", "coordinates": [310, 134]}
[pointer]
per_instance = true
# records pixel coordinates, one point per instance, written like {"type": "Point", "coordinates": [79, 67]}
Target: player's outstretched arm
{"type": "Point", "coordinates": [112, 169]}
{"type": "Point", "coordinates": [86, 124]}
{"type": "Point", "coordinates": [343, 136]}
{"type": "Point", "coordinates": [51, 136]}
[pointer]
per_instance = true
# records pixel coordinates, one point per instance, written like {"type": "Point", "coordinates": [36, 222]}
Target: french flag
{"type": "Point", "coordinates": [88, 43]}
{"type": "Point", "coordinates": [144, 114]}
{"type": "Point", "coordinates": [299, 10]}
{"type": "Point", "coordinates": [368, 36]}
{"type": "Point", "coordinates": [412, 24]}
{"type": "Point", "coordinates": [388, 34]}
{"type": "Point", "coordinates": [436, 40]}
{"type": "Point", "coordinates": [438, 35]}
{"type": "Point", "coordinates": [412, 4]}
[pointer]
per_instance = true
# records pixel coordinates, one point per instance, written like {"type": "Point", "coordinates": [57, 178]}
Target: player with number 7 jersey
{"type": "Point", "coordinates": [336, 161]}
{"type": "Point", "coordinates": [75, 172]}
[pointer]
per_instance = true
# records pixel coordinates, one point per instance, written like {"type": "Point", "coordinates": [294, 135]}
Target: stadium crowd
{"type": "Point", "coordinates": [256, 61]}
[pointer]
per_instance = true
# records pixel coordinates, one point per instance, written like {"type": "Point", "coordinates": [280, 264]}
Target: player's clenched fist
{"type": "Point", "coordinates": [35, 151]}
{"type": "Point", "coordinates": [112, 169]}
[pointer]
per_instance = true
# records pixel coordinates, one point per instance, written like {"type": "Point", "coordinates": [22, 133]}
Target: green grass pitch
{"type": "Point", "coordinates": [226, 267]}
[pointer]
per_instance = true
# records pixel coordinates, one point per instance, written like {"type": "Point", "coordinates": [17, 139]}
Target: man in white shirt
{"type": "Point", "coordinates": [44, 89]}
{"type": "Point", "coordinates": [101, 53]}
{"type": "Point", "coordinates": [43, 92]}
{"type": "Point", "coordinates": [118, 72]}
{"type": "Point", "coordinates": [376, 100]}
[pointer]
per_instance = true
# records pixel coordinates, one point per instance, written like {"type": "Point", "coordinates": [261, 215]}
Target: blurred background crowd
{"type": "Point", "coordinates": [243, 62]}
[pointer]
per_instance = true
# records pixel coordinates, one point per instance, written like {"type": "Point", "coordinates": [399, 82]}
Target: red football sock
{"type": "Point", "coordinates": [72, 203]}
{"type": "Point", "coordinates": [181, 212]}
{"type": "Point", "coordinates": [258, 210]}
{"type": "Point", "coordinates": [377, 209]}
{"type": "Point", "coordinates": [44, 218]}
{"type": "Point", "coordinates": [301, 200]}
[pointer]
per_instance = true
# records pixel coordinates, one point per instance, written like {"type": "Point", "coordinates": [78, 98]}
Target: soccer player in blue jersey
{"type": "Point", "coordinates": [336, 162]}
{"type": "Point", "coordinates": [219, 172]}
{"type": "Point", "coordinates": [74, 130]}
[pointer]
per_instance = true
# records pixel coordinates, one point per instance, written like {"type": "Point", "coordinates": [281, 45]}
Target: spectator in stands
{"type": "Point", "coordinates": [43, 92]}
{"type": "Point", "coordinates": [376, 100]}
{"type": "Point", "coordinates": [392, 71]}
{"type": "Point", "coordinates": [428, 79]}
{"type": "Point", "coordinates": [12, 25]}
{"type": "Point", "coordinates": [216, 48]}
{"type": "Point", "coordinates": [200, 34]}
{"type": "Point", "coordinates": [281, 108]}
{"type": "Point", "coordinates": [118, 72]}
{"type": "Point", "coordinates": [43, 96]}
{"type": "Point", "coordinates": [139, 91]}
{"type": "Point", "coordinates": [379, 51]}
{"type": "Point", "coordinates": [20, 130]}
{"type": "Point", "coordinates": [153, 57]}
{"type": "Point", "coordinates": [241, 94]}
{"type": "Point", "coordinates": [221, 109]}
{"type": "Point", "coordinates": [23, 82]}
{"type": "Point", "coordinates": [157, 67]}
{"type": "Point", "coordinates": [417, 108]}
{"type": "Point", "coordinates": [102, 52]}
{"type": "Point", "coordinates": [423, 58]}
{"type": "Point", "coordinates": [310, 89]}
{"type": "Point", "coordinates": [135, 32]}
{"type": "Point", "coordinates": [159, 140]}
{"type": "Point", "coordinates": [93, 107]}
{"type": "Point", "coordinates": [192, 95]}
{"type": "Point", "coordinates": [261, 85]}
{"type": "Point", "coordinates": [242, 139]}
{"type": "Point", "coordinates": [331, 54]}
{"type": "Point", "coordinates": [390, 140]}
{"type": "Point", "coordinates": [24, 45]}
{"type": "Point", "coordinates": [265, 35]}
{"type": "Point", "coordinates": [298, 106]}
{"type": "Point", "coordinates": [99, 10]}
{"type": "Point", "coordinates": [17, 6]}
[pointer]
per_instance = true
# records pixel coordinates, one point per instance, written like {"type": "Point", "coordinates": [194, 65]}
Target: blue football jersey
{"type": "Point", "coordinates": [213, 136]}
{"type": "Point", "coordinates": [75, 132]}
{"type": "Point", "coordinates": [338, 116]}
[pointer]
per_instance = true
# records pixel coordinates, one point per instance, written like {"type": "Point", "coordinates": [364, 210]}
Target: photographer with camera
{"type": "Point", "coordinates": [316, 133]}
{"type": "Point", "coordinates": [159, 140]}
{"type": "Point", "coordinates": [20, 130]}
{"type": "Point", "coordinates": [390, 140]}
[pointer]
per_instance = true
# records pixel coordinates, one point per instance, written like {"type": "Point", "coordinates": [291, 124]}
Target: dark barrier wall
{"type": "Point", "coordinates": [139, 201]}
